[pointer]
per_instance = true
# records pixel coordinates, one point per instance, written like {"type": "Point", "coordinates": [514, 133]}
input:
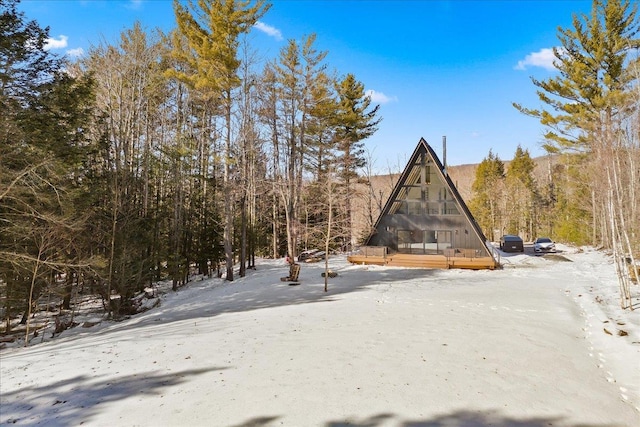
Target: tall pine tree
{"type": "Point", "coordinates": [355, 120]}
{"type": "Point", "coordinates": [595, 74]}
{"type": "Point", "coordinates": [212, 29]}
{"type": "Point", "coordinates": [488, 190]}
{"type": "Point", "coordinates": [521, 195]}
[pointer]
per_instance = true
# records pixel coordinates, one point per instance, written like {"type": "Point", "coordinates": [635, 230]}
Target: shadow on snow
{"type": "Point", "coordinates": [77, 399]}
{"type": "Point", "coordinates": [455, 419]}
{"type": "Point", "coordinates": [212, 297]}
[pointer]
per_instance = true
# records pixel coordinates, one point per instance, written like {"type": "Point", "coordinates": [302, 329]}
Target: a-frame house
{"type": "Point", "coordinates": [425, 222]}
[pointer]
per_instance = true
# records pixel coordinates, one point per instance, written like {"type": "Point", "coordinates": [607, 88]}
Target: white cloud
{"type": "Point", "coordinates": [268, 30]}
{"type": "Point", "coordinates": [134, 5]}
{"type": "Point", "coordinates": [379, 97]}
{"type": "Point", "coordinates": [59, 43]}
{"type": "Point", "coordinates": [75, 53]}
{"type": "Point", "coordinates": [544, 58]}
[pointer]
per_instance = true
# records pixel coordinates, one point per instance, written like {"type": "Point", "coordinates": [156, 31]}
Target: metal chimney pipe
{"type": "Point", "coordinates": [444, 153]}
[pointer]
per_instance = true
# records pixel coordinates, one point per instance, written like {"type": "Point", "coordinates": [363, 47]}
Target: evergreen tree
{"type": "Point", "coordinates": [488, 190]}
{"type": "Point", "coordinates": [595, 76]}
{"type": "Point", "coordinates": [572, 208]}
{"type": "Point", "coordinates": [42, 141]}
{"type": "Point", "coordinates": [355, 121]}
{"type": "Point", "coordinates": [212, 30]}
{"type": "Point", "coordinates": [24, 64]}
{"type": "Point", "coordinates": [320, 140]}
{"type": "Point", "coordinates": [318, 103]}
{"type": "Point", "coordinates": [521, 195]}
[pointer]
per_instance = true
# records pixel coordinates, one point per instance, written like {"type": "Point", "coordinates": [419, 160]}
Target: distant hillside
{"type": "Point", "coordinates": [464, 175]}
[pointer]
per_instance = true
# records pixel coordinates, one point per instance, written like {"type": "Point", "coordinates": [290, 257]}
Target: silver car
{"type": "Point", "coordinates": [544, 244]}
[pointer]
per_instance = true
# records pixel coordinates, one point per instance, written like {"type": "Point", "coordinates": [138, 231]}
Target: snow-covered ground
{"type": "Point", "coordinates": [541, 342]}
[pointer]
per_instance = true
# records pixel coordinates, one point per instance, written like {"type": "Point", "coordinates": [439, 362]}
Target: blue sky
{"type": "Point", "coordinates": [437, 68]}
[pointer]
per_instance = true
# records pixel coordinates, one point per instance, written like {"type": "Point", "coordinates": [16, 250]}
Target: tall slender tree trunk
{"type": "Point", "coordinates": [34, 274]}
{"type": "Point", "coordinates": [243, 236]}
{"type": "Point", "coordinates": [114, 228]}
{"type": "Point", "coordinates": [228, 193]}
{"type": "Point", "coordinates": [274, 221]}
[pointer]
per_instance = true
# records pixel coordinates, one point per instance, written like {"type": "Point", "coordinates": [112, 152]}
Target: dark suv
{"type": "Point", "coordinates": [511, 243]}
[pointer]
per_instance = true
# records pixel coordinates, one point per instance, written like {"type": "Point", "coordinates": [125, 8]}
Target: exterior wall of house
{"type": "Point", "coordinates": [425, 234]}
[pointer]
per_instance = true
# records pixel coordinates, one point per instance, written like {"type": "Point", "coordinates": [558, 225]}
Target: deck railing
{"type": "Point", "coordinates": [494, 252]}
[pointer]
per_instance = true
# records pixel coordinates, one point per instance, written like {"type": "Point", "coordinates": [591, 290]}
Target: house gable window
{"type": "Point", "coordinates": [423, 192]}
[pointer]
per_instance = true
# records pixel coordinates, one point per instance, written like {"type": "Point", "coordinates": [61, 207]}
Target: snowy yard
{"type": "Point", "coordinates": [541, 342]}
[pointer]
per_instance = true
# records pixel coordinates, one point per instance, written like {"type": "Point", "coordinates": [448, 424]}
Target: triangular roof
{"type": "Point", "coordinates": [413, 176]}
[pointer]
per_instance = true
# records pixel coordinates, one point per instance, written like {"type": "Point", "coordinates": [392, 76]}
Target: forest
{"type": "Point", "coordinates": [170, 154]}
{"type": "Point", "coordinates": [589, 193]}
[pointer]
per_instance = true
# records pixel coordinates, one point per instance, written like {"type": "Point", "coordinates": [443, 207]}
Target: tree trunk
{"type": "Point", "coordinates": [66, 302]}
{"type": "Point", "coordinates": [34, 275]}
{"type": "Point", "coordinates": [243, 236]}
{"type": "Point", "coordinates": [228, 194]}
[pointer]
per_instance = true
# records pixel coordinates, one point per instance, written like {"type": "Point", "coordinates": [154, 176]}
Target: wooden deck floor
{"type": "Point", "coordinates": [426, 261]}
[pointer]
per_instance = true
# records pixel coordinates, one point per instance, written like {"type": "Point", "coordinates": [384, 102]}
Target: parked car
{"type": "Point", "coordinates": [305, 255]}
{"type": "Point", "coordinates": [316, 256]}
{"type": "Point", "coordinates": [544, 244]}
{"type": "Point", "coordinates": [511, 243]}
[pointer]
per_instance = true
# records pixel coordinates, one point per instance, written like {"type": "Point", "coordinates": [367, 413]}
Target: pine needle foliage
{"type": "Point", "coordinates": [488, 190]}
{"type": "Point", "coordinates": [594, 63]}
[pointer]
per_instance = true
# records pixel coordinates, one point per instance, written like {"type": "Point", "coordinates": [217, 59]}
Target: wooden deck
{"type": "Point", "coordinates": [426, 261]}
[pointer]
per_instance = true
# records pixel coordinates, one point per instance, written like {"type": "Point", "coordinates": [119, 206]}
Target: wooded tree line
{"type": "Point", "coordinates": [591, 108]}
{"type": "Point", "coordinates": [165, 152]}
